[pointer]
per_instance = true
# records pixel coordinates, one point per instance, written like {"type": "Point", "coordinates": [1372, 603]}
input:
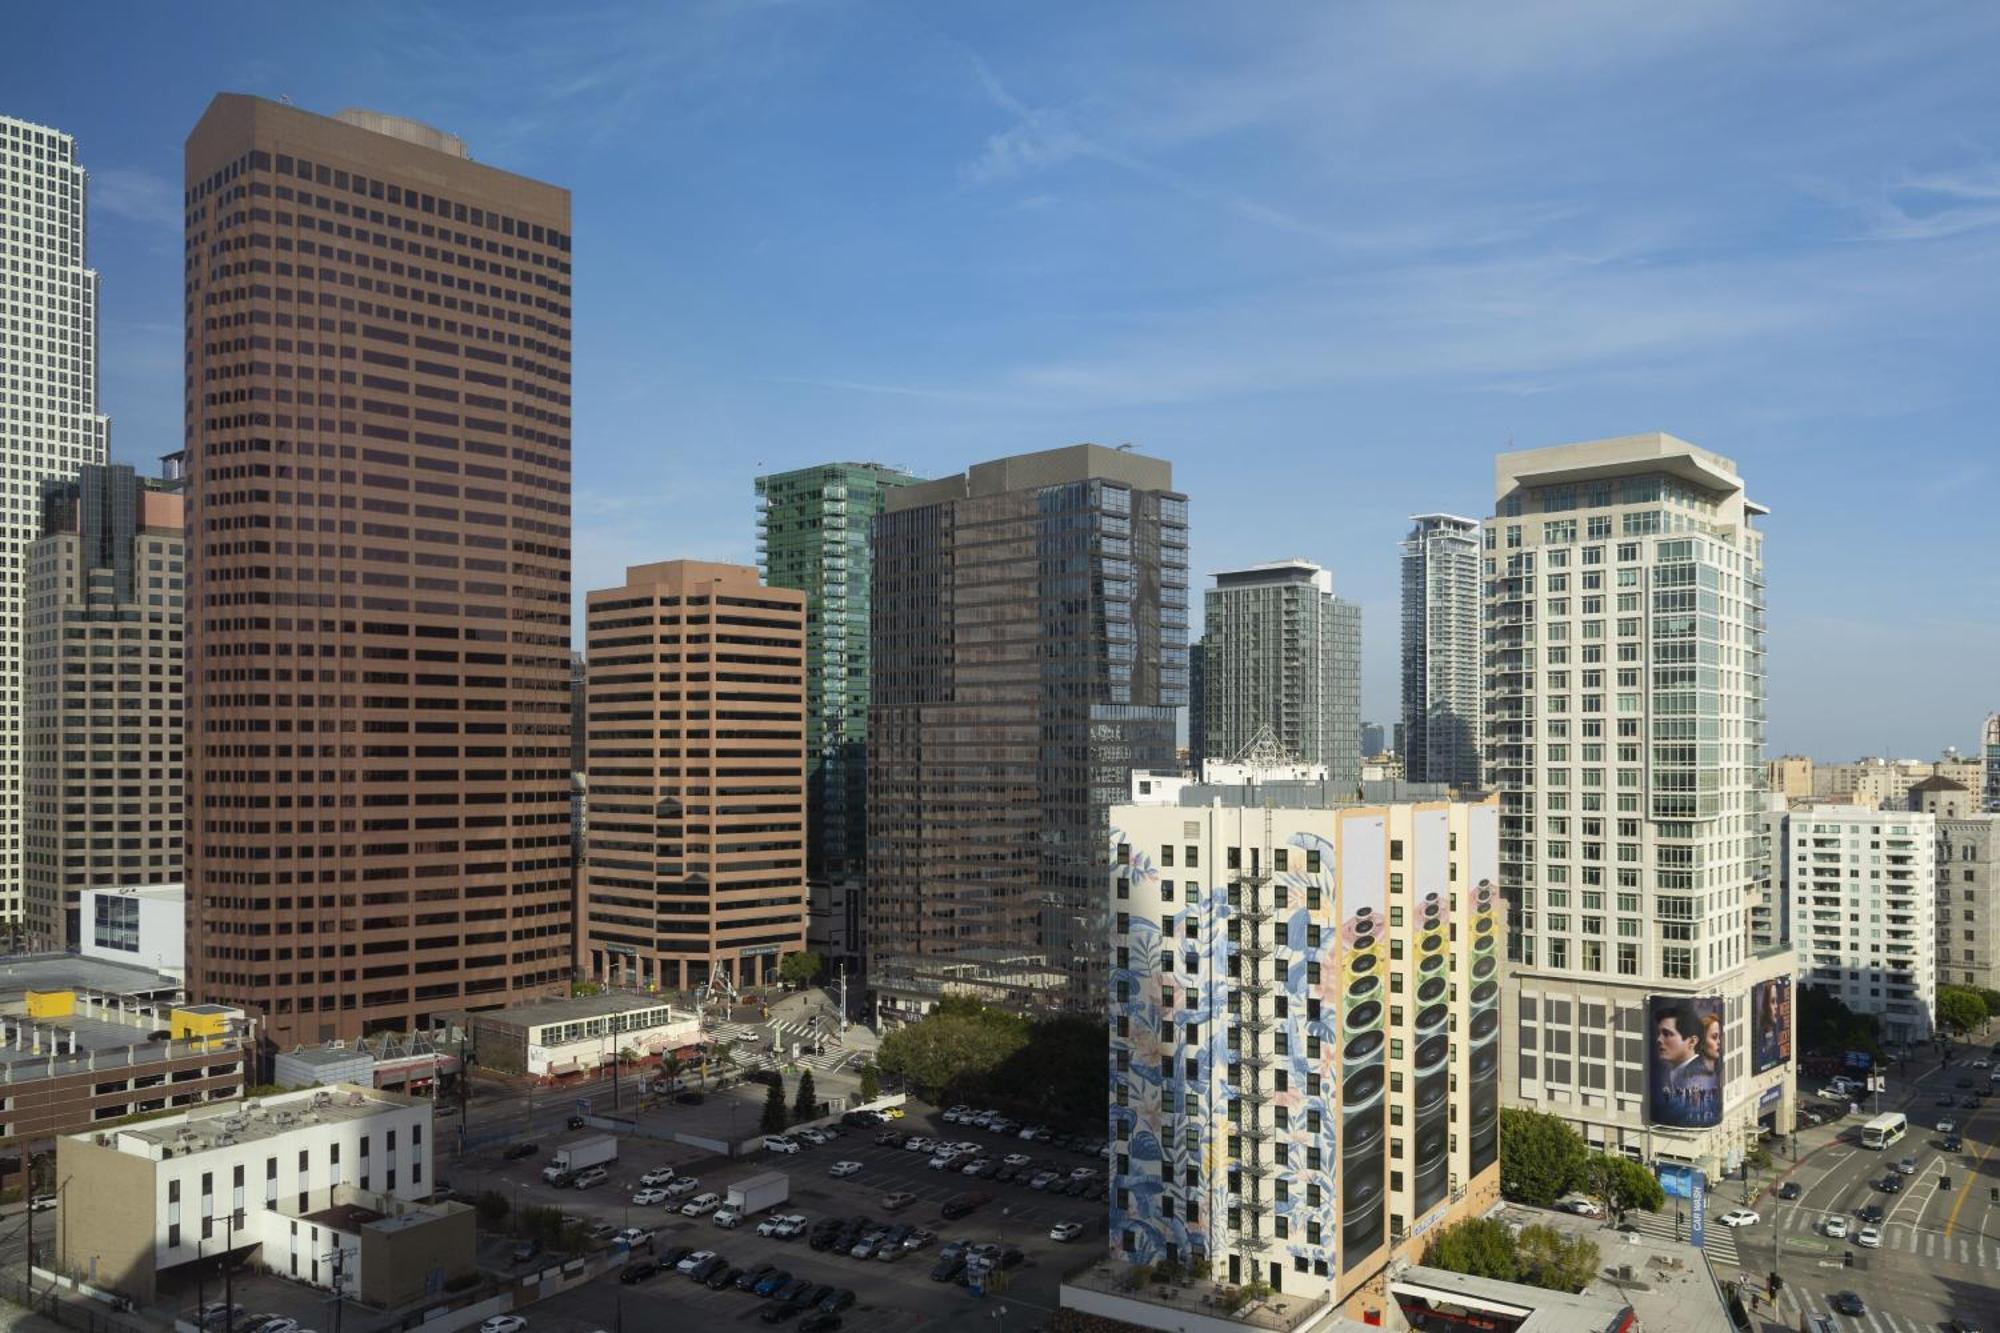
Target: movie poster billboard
{"type": "Point", "coordinates": [1770, 1024]}
{"type": "Point", "coordinates": [1684, 1074]}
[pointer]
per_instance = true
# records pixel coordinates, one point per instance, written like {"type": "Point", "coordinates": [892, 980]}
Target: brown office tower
{"type": "Point", "coordinates": [696, 864]}
{"type": "Point", "coordinates": [103, 695]}
{"type": "Point", "coordinates": [378, 389]}
{"type": "Point", "coordinates": [1030, 651]}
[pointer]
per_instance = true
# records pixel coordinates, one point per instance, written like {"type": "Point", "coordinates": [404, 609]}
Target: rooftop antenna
{"type": "Point", "coordinates": [284, 99]}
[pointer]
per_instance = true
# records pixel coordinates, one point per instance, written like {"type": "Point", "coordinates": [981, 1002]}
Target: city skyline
{"type": "Point", "coordinates": [1797, 297]}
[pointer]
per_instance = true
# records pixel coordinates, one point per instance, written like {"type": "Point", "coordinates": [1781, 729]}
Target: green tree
{"type": "Point", "coordinates": [1825, 1024]}
{"type": "Point", "coordinates": [670, 1068]}
{"type": "Point", "coordinates": [952, 1046]}
{"type": "Point", "coordinates": [1480, 1246]}
{"type": "Point", "coordinates": [871, 1082]}
{"type": "Point", "coordinates": [1992, 1001]}
{"type": "Point", "coordinates": [1541, 1157]}
{"type": "Point", "coordinates": [1959, 1009]}
{"type": "Point", "coordinates": [805, 1106]}
{"type": "Point", "coordinates": [1621, 1184]}
{"type": "Point", "coordinates": [723, 1054]}
{"type": "Point", "coordinates": [1554, 1260]}
{"type": "Point", "coordinates": [799, 968]}
{"type": "Point", "coordinates": [492, 1208]}
{"type": "Point", "coordinates": [774, 1109]}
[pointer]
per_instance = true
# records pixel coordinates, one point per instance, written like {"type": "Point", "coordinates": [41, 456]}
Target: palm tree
{"type": "Point", "coordinates": [724, 1053]}
{"type": "Point", "coordinates": [670, 1068]}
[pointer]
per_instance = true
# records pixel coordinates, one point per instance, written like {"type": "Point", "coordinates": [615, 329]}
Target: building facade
{"type": "Point", "coordinates": [103, 695]}
{"type": "Point", "coordinates": [1790, 776]}
{"type": "Point", "coordinates": [812, 536]}
{"type": "Point", "coordinates": [1863, 885]}
{"type": "Point", "coordinates": [1625, 727]}
{"type": "Point", "coordinates": [1030, 651]}
{"type": "Point", "coordinates": [1968, 901]}
{"type": "Point", "coordinates": [49, 422]}
{"type": "Point", "coordinates": [1305, 1019]}
{"type": "Point", "coordinates": [1442, 678]}
{"type": "Point", "coordinates": [145, 925]}
{"type": "Point", "coordinates": [1283, 654]}
{"type": "Point", "coordinates": [378, 360]}
{"type": "Point", "coordinates": [1989, 750]}
{"type": "Point", "coordinates": [695, 865]}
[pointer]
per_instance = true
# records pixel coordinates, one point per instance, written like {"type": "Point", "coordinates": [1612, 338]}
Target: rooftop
{"type": "Point", "coordinates": [1279, 1313]}
{"type": "Point", "coordinates": [222, 1124]}
{"type": "Point", "coordinates": [576, 1009]}
{"type": "Point", "coordinates": [66, 971]}
{"type": "Point", "coordinates": [1670, 1287]}
{"type": "Point", "coordinates": [1547, 1311]}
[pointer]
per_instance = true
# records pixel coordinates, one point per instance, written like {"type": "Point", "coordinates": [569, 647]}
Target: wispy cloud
{"type": "Point", "coordinates": [137, 196]}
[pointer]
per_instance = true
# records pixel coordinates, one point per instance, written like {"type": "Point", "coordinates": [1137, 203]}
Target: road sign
{"type": "Point", "coordinates": [1698, 1210]}
{"type": "Point", "coordinates": [583, 1106]}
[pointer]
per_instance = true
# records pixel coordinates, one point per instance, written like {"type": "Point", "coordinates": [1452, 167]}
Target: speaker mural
{"type": "Point", "coordinates": [1483, 1028]}
{"type": "Point", "coordinates": [1364, 999]}
{"type": "Point", "coordinates": [1431, 1174]}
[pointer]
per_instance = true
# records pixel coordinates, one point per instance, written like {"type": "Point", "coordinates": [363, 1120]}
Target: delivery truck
{"type": "Point", "coordinates": [574, 1156]}
{"type": "Point", "coordinates": [753, 1194]}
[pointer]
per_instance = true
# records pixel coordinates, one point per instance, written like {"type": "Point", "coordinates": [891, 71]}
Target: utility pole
{"type": "Point", "coordinates": [228, 1269]}
{"type": "Point", "coordinates": [339, 1259]}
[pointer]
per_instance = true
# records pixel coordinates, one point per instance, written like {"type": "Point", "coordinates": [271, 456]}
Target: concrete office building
{"type": "Point", "coordinates": [145, 925]}
{"type": "Point", "coordinates": [1305, 1033]}
{"type": "Point", "coordinates": [1943, 797]}
{"type": "Point", "coordinates": [49, 422]}
{"type": "Point", "coordinates": [1625, 724]}
{"type": "Point", "coordinates": [250, 1178]}
{"type": "Point", "coordinates": [1030, 651]}
{"type": "Point", "coordinates": [695, 865]}
{"type": "Point", "coordinates": [1968, 901]}
{"type": "Point", "coordinates": [378, 421]}
{"type": "Point", "coordinates": [1442, 678]}
{"type": "Point", "coordinates": [1197, 710]}
{"type": "Point", "coordinates": [812, 536]}
{"type": "Point", "coordinates": [1284, 655]}
{"type": "Point", "coordinates": [1374, 739]}
{"type": "Point", "coordinates": [1989, 751]}
{"type": "Point", "coordinates": [1863, 886]}
{"type": "Point", "coordinates": [103, 695]}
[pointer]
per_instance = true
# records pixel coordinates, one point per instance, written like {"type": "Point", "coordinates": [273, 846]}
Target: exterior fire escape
{"type": "Point", "coordinates": [1250, 908]}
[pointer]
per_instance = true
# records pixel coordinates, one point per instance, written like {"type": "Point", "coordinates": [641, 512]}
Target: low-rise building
{"type": "Point", "coordinates": [293, 1180]}
{"type": "Point", "coordinates": [1305, 1032]}
{"type": "Point", "coordinates": [552, 1038]}
{"type": "Point", "coordinates": [908, 986]}
{"type": "Point", "coordinates": [1863, 890]}
{"type": "Point", "coordinates": [144, 924]}
{"type": "Point", "coordinates": [1947, 798]}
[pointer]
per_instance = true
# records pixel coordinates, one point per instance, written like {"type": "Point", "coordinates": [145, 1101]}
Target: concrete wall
{"type": "Point", "coordinates": [396, 1266]}
{"type": "Point", "coordinates": [106, 1216]}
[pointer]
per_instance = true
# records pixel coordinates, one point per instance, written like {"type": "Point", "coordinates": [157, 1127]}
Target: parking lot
{"type": "Point", "coordinates": [897, 1295]}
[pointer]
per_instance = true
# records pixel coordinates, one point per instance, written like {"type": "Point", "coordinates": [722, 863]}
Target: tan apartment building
{"type": "Point", "coordinates": [1968, 901]}
{"type": "Point", "coordinates": [1791, 776]}
{"type": "Point", "coordinates": [103, 699]}
{"type": "Point", "coordinates": [696, 860]}
{"type": "Point", "coordinates": [378, 453]}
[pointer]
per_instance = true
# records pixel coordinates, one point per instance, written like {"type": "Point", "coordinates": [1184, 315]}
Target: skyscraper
{"type": "Point", "coordinates": [103, 694]}
{"type": "Point", "coordinates": [812, 527]}
{"type": "Point", "coordinates": [697, 830]}
{"type": "Point", "coordinates": [1197, 703]}
{"type": "Point", "coordinates": [1030, 641]}
{"type": "Point", "coordinates": [1441, 663]}
{"type": "Point", "coordinates": [1989, 749]}
{"type": "Point", "coordinates": [378, 421]}
{"type": "Point", "coordinates": [1284, 654]}
{"type": "Point", "coordinates": [49, 423]}
{"type": "Point", "coordinates": [1625, 716]}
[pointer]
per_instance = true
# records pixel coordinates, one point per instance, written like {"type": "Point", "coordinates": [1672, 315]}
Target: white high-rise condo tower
{"type": "Point", "coordinates": [49, 423]}
{"type": "Point", "coordinates": [1441, 666]}
{"type": "Point", "coordinates": [1625, 731]}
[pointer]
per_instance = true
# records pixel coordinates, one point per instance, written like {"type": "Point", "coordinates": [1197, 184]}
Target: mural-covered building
{"type": "Point", "coordinates": [1304, 1028]}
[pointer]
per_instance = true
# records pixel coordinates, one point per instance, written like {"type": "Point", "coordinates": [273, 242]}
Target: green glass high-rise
{"type": "Point", "coordinates": [812, 535]}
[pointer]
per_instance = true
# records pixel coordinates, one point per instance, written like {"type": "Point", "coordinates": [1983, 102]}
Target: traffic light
{"type": "Point", "coordinates": [1994, 1194]}
{"type": "Point", "coordinates": [1772, 1285]}
{"type": "Point", "coordinates": [1944, 1182]}
{"type": "Point", "coordinates": [1847, 1258]}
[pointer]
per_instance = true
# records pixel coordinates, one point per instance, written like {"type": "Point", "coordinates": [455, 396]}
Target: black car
{"type": "Point", "coordinates": [948, 1269]}
{"type": "Point", "coordinates": [519, 1150]}
{"type": "Point", "coordinates": [1953, 1143]}
{"type": "Point", "coordinates": [1848, 1302]}
{"type": "Point", "coordinates": [1963, 1084]}
{"type": "Point", "coordinates": [791, 1291]}
{"type": "Point", "coordinates": [809, 1296]}
{"type": "Point", "coordinates": [674, 1254]}
{"type": "Point", "coordinates": [753, 1276]}
{"type": "Point", "coordinates": [1010, 1258]}
{"type": "Point", "coordinates": [1789, 1190]}
{"type": "Point", "coordinates": [1890, 1184]}
{"type": "Point", "coordinates": [576, 1122]}
{"type": "Point", "coordinates": [837, 1300]}
{"type": "Point", "coordinates": [689, 1098]}
{"type": "Point", "coordinates": [724, 1278]}
{"type": "Point", "coordinates": [987, 1171]}
{"type": "Point", "coordinates": [1870, 1213]}
{"type": "Point", "coordinates": [638, 1271]}
{"type": "Point", "coordinates": [961, 1205]}
{"type": "Point", "coordinates": [708, 1268]}
{"type": "Point", "coordinates": [822, 1240]}
{"type": "Point", "coordinates": [1006, 1175]}
{"type": "Point", "coordinates": [820, 1323]}
{"type": "Point", "coordinates": [1946, 1099]}
{"type": "Point", "coordinates": [777, 1312]}
{"type": "Point", "coordinates": [891, 1138]}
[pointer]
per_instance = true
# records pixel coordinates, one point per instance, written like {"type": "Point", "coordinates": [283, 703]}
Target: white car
{"type": "Point", "coordinates": [647, 1198]}
{"type": "Point", "coordinates": [782, 1225]}
{"type": "Point", "coordinates": [942, 1161]}
{"type": "Point", "coordinates": [682, 1186]}
{"type": "Point", "coordinates": [843, 1168]}
{"type": "Point", "coordinates": [1582, 1207]}
{"type": "Point", "coordinates": [1870, 1238]}
{"type": "Point", "coordinates": [974, 1167]}
{"type": "Point", "coordinates": [701, 1205]}
{"type": "Point", "coordinates": [1082, 1172]}
{"type": "Point", "coordinates": [1835, 1227]}
{"type": "Point", "coordinates": [918, 1144]}
{"type": "Point", "coordinates": [1030, 1132]}
{"type": "Point", "coordinates": [1947, 1126]}
{"type": "Point", "coordinates": [779, 1143]}
{"type": "Point", "coordinates": [1739, 1217]}
{"type": "Point", "coordinates": [657, 1176]}
{"type": "Point", "coordinates": [1982, 1063]}
{"type": "Point", "coordinates": [727, 1218]}
{"type": "Point", "coordinates": [1066, 1231]}
{"type": "Point", "coordinates": [956, 1114]}
{"type": "Point", "coordinates": [633, 1237]}
{"type": "Point", "coordinates": [694, 1261]}
{"type": "Point", "coordinates": [504, 1323]}
{"type": "Point", "coordinates": [969, 1146]}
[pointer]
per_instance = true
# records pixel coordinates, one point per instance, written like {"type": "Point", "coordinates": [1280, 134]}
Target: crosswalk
{"type": "Point", "coordinates": [1718, 1241]}
{"type": "Point", "coordinates": [1927, 1243]}
{"type": "Point", "coordinates": [1794, 1303]}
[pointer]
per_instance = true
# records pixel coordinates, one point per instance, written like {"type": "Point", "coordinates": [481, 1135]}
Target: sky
{"type": "Point", "coordinates": [1326, 259]}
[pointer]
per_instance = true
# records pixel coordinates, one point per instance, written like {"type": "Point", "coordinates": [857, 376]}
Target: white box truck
{"type": "Point", "coordinates": [753, 1194]}
{"type": "Point", "coordinates": [574, 1156]}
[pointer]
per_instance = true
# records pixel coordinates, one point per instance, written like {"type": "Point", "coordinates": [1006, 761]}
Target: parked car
{"type": "Point", "coordinates": [1575, 1203]}
{"type": "Point", "coordinates": [779, 1143]}
{"type": "Point", "coordinates": [638, 1271]}
{"type": "Point", "coordinates": [527, 1250]}
{"type": "Point", "coordinates": [963, 1205]}
{"type": "Point", "coordinates": [590, 1176]}
{"type": "Point", "coordinates": [648, 1198]}
{"type": "Point", "coordinates": [771, 1281]}
{"type": "Point", "coordinates": [516, 1152]}
{"type": "Point", "coordinates": [682, 1186]}
{"type": "Point", "coordinates": [722, 1277]}
{"type": "Point", "coordinates": [701, 1205]}
{"type": "Point", "coordinates": [752, 1276]}
{"type": "Point", "coordinates": [504, 1323]}
{"type": "Point", "coordinates": [688, 1263]}
{"type": "Point", "coordinates": [898, 1200]}
{"type": "Point", "coordinates": [947, 1270]}
{"type": "Point", "coordinates": [1066, 1231]}
{"type": "Point", "coordinates": [891, 1138]}
{"type": "Point", "coordinates": [843, 1168]}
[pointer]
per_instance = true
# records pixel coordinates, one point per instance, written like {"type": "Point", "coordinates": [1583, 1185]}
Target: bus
{"type": "Point", "coordinates": [1884, 1129]}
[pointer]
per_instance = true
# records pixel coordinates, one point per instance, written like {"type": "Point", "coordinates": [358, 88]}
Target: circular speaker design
{"type": "Point", "coordinates": [1431, 1142]}
{"type": "Point", "coordinates": [1431, 1090]}
{"type": "Point", "coordinates": [1432, 943]}
{"type": "Point", "coordinates": [1485, 1059]}
{"type": "Point", "coordinates": [1432, 963]}
{"type": "Point", "coordinates": [1431, 1017]}
{"type": "Point", "coordinates": [1484, 992]}
{"type": "Point", "coordinates": [1432, 1051]}
{"type": "Point", "coordinates": [1362, 1045]}
{"type": "Point", "coordinates": [1363, 1090]}
{"type": "Point", "coordinates": [1431, 991]}
{"type": "Point", "coordinates": [1361, 986]}
{"type": "Point", "coordinates": [1483, 967]}
{"type": "Point", "coordinates": [1365, 1015]}
{"type": "Point", "coordinates": [1484, 1024]}
{"type": "Point", "coordinates": [1364, 962]}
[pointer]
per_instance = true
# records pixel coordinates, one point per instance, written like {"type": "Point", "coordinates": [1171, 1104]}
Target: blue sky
{"type": "Point", "coordinates": [1328, 259]}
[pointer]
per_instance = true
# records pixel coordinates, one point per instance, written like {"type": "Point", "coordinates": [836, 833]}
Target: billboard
{"type": "Point", "coordinates": [1684, 1076]}
{"type": "Point", "coordinates": [1770, 1024]}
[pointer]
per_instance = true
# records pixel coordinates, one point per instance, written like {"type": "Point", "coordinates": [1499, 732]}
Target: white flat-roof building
{"type": "Point", "coordinates": [141, 1198]}
{"type": "Point", "coordinates": [139, 923]}
{"type": "Point", "coordinates": [1863, 891]}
